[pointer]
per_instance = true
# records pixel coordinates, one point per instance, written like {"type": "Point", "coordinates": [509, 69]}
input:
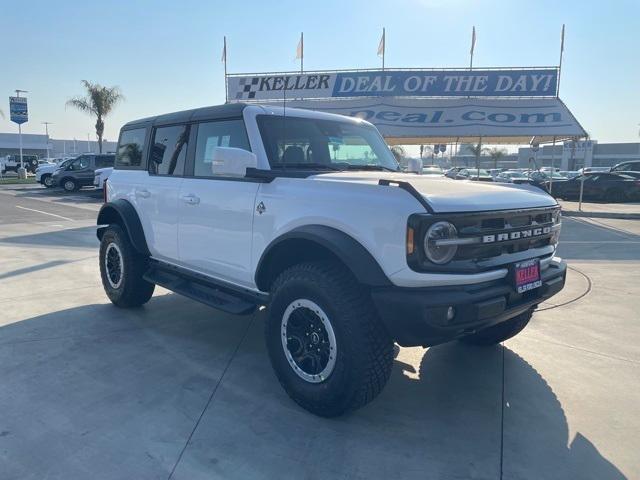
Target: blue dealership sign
{"type": "Point", "coordinates": [18, 110]}
{"type": "Point", "coordinates": [447, 83]}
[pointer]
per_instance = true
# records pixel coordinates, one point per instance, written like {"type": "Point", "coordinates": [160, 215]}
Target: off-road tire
{"type": "Point", "coordinates": [364, 350]}
{"type": "Point", "coordinates": [66, 185]}
{"type": "Point", "coordinates": [133, 290]}
{"type": "Point", "coordinates": [500, 332]}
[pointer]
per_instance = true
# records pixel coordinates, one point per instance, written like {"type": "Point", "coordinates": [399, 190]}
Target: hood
{"type": "Point", "coordinates": [447, 195]}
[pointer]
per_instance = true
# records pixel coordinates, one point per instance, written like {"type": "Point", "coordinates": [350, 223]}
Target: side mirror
{"type": "Point", "coordinates": [232, 162]}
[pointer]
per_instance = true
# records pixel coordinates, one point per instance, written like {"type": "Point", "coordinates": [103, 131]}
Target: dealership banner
{"type": "Point", "coordinates": [450, 118]}
{"type": "Point", "coordinates": [540, 82]}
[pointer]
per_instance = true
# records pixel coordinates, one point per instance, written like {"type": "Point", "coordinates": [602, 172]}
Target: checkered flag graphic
{"type": "Point", "coordinates": [249, 88]}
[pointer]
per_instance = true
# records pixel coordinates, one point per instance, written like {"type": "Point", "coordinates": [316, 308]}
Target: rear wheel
{"type": "Point", "coordinates": [500, 332]}
{"type": "Point", "coordinates": [122, 269]}
{"type": "Point", "coordinates": [326, 344]}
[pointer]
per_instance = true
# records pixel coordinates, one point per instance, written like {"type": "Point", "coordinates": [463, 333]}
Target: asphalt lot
{"type": "Point", "coordinates": [178, 390]}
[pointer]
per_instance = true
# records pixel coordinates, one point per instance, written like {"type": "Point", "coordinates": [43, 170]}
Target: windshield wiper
{"type": "Point", "coordinates": [305, 165]}
{"type": "Point", "coordinates": [373, 168]}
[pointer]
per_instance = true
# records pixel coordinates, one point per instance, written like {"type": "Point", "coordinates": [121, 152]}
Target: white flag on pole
{"type": "Point", "coordinates": [381, 45]}
{"type": "Point", "coordinates": [562, 39]}
{"type": "Point", "coordinates": [300, 49]}
{"type": "Point", "coordinates": [224, 51]}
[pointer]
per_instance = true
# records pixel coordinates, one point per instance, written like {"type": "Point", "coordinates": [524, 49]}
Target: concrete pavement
{"type": "Point", "coordinates": [178, 390]}
{"type": "Point", "coordinates": [626, 210]}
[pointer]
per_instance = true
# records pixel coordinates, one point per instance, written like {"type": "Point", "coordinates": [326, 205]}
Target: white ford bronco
{"type": "Point", "coordinates": [239, 206]}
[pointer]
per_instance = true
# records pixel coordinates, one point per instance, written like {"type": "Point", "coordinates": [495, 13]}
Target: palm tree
{"type": "Point", "coordinates": [399, 152]}
{"type": "Point", "coordinates": [477, 150]}
{"type": "Point", "coordinates": [1, 114]}
{"type": "Point", "coordinates": [496, 154]}
{"type": "Point", "coordinates": [99, 101]}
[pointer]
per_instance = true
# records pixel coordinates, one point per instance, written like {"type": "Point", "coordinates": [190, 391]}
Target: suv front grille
{"type": "Point", "coordinates": [490, 239]}
{"type": "Point", "coordinates": [501, 223]}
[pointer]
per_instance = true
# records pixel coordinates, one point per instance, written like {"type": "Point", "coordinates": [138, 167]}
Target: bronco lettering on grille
{"type": "Point", "coordinates": [505, 237]}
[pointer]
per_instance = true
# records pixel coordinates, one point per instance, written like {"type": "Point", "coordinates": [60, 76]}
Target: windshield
{"type": "Point", "coordinates": [475, 172]}
{"type": "Point", "coordinates": [64, 164]}
{"type": "Point", "coordinates": [515, 175]}
{"type": "Point", "coordinates": [294, 142]}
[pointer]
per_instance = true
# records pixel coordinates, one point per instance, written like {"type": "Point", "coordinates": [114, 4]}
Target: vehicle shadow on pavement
{"type": "Point", "coordinates": [34, 268]}
{"type": "Point", "coordinates": [108, 393]}
{"type": "Point", "coordinates": [536, 441]}
{"type": "Point", "coordinates": [80, 237]}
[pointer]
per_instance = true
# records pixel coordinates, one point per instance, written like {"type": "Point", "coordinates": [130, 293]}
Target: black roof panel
{"type": "Point", "coordinates": [216, 112]}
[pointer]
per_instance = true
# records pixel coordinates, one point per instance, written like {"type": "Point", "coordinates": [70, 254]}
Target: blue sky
{"type": "Point", "coordinates": [165, 55]}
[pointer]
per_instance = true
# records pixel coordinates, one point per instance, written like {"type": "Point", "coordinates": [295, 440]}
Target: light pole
{"type": "Point", "coordinates": [46, 131]}
{"type": "Point", "coordinates": [18, 92]}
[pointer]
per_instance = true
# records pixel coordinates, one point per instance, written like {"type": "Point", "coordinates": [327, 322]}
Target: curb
{"type": "Point", "coordinates": [614, 215]}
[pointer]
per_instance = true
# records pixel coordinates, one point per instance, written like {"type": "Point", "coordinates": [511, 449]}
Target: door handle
{"type": "Point", "coordinates": [143, 193]}
{"type": "Point", "coordinates": [191, 199]}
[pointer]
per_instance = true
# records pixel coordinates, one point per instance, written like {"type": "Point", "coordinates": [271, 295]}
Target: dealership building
{"type": "Point", "coordinates": [33, 144]}
{"type": "Point", "coordinates": [573, 155]}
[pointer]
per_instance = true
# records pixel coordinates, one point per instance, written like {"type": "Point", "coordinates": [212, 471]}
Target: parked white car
{"type": "Point", "coordinates": [239, 206]}
{"type": "Point", "coordinates": [100, 175]}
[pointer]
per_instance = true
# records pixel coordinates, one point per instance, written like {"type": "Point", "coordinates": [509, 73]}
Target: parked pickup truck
{"type": "Point", "coordinates": [11, 163]}
{"type": "Point", "coordinates": [240, 206]}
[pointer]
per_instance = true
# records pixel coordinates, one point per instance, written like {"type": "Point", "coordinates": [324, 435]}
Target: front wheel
{"type": "Point", "coordinates": [47, 181]}
{"type": "Point", "coordinates": [500, 332]}
{"type": "Point", "coordinates": [327, 346]}
{"type": "Point", "coordinates": [122, 269]}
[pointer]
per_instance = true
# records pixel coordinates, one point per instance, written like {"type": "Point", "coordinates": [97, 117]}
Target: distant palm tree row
{"type": "Point", "coordinates": [495, 153]}
{"type": "Point", "coordinates": [99, 102]}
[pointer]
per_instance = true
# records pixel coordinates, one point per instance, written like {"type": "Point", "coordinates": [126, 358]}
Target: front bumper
{"type": "Point", "coordinates": [418, 316]}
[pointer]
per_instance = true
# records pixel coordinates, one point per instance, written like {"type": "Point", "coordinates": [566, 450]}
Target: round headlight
{"type": "Point", "coordinates": [440, 254]}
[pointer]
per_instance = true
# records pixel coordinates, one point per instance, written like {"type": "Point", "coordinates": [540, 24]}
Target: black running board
{"type": "Point", "coordinates": [230, 299]}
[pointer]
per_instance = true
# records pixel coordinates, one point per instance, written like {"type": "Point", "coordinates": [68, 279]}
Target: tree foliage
{"type": "Point", "coordinates": [99, 102]}
{"type": "Point", "coordinates": [399, 152]}
{"type": "Point", "coordinates": [496, 154]}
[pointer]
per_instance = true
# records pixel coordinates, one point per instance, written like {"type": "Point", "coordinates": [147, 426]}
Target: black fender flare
{"type": "Point", "coordinates": [347, 249]}
{"type": "Point", "coordinates": [123, 213]}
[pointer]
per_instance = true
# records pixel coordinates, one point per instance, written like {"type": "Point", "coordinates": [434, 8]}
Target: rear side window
{"type": "Point", "coordinates": [130, 147]}
{"type": "Point", "coordinates": [168, 150]}
{"type": "Point", "coordinates": [227, 133]}
{"type": "Point", "coordinates": [627, 167]}
{"type": "Point", "coordinates": [103, 161]}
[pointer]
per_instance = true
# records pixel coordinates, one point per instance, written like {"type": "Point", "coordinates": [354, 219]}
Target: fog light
{"type": "Point", "coordinates": [451, 312]}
